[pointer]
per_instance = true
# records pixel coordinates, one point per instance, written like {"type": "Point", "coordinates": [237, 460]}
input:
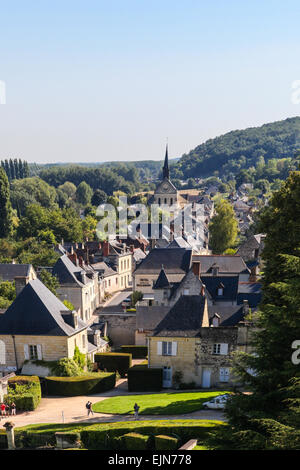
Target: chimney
{"type": "Point", "coordinates": [20, 283]}
{"type": "Point", "coordinates": [73, 258]}
{"type": "Point", "coordinates": [196, 267]}
{"type": "Point", "coordinates": [105, 248]}
{"type": "Point", "coordinates": [245, 307]}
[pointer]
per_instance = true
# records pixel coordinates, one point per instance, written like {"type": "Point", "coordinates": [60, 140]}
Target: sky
{"type": "Point", "coordinates": [95, 81]}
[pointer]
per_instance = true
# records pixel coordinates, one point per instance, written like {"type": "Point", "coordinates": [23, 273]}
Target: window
{"type": "Point", "coordinates": [83, 341]}
{"type": "Point", "coordinates": [186, 291]}
{"type": "Point", "coordinates": [167, 348]}
{"type": "Point", "coordinates": [220, 291]}
{"type": "Point", "coordinates": [33, 352]}
{"type": "Point", "coordinates": [220, 348]}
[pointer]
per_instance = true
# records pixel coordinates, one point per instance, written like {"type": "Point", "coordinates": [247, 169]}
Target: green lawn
{"type": "Point", "coordinates": [157, 403]}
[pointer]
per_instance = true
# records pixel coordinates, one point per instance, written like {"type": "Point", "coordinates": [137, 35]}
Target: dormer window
{"type": "Point", "coordinates": [216, 320]}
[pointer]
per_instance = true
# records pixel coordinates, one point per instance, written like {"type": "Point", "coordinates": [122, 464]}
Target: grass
{"type": "Point", "coordinates": [157, 403]}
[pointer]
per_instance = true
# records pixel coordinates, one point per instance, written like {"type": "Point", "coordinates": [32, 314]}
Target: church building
{"type": "Point", "coordinates": [165, 192]}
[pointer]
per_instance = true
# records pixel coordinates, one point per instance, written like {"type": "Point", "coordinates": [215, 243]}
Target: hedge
{"type": "Point", "coordinates": [82, 385]}
{"type": "Point", "coordinates": [166, 442]}
{"type": "Point", "coordinates": [114, 362]}
{"type": "Point", "coordinates": [100, 436]}
{"type": "Point", "coordinates": [135, 441]}
{"type": "Point", "coordinates": [3, 439]}
{"type": "Point", "coordinates": [138, 352]}
{"type": "Point", "coordinates": [144, 379]}
{"type": "Point", "coordinates": [27, 401]}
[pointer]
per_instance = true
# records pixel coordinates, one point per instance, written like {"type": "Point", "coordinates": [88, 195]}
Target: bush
{"type": "Point", "coordinates": [137, 352]}
{"type": "Point", "coordinates": [144, 379]}
{"type": "Point", "coordinates": [3, 439]}
{"type": "Point", "coordinates": [101, 436]}
{"type": "Point", "coordinates": [135, 441]}
{"type": "Point", "coordinates": [66, 367]}
{"type": "Point", "coordinates": [82, 385]}
{"type": "Point", "coordinates": [25, 391]}
{"type": "Point", "coordinates": [114, 362]}
{"type": "Point", "coordinates": [166, 442]}
{"type": "Point", "coordinates": [187, 386]}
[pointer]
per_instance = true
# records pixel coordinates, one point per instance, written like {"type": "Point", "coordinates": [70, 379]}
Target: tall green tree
{"type": "Point", "coordinates": [271, 372]}
{"type": "Point", "coordinates": [223, 228]}
{"type": "Point", "coordinates": [5, 206]}
{"type": "Point", "coordinates": [84, 193]}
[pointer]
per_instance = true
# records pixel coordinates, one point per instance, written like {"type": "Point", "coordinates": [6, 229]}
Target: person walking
{"type": "Point", "coordinates": [7, 409]}
{"type": "Point", "coordinates": [13, 408]}
{"type": "Point", "coordinates": [136, 411]}
{"type": "Point", "coordinates": [89, 408]}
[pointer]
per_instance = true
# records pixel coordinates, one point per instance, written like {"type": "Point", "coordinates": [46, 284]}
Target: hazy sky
{"type": "Point", "coordinates": [110, 80]}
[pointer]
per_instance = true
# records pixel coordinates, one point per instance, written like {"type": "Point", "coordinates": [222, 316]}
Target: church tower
{"type": "Point", "coordinates": [165, 192]}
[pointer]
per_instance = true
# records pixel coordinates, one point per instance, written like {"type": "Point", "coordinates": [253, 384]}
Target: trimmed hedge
{"type": "Point", "coordinates": [135, 441]}
{"type": "Point", "coordinates": [95, 382]}
{"type": "Point", "coordinates": [27, 401]}
{"type": "Point", "coordinates": [101, 436]}
{"type": "Point", "coordinates": [144, 379]}
{"type": "Point", "coordinates": [3, 439]}
{"type": "Point", "coordinates": [114, 362]}
{"type": "Point", "coordinates": [138, 352]}
{"type": "Point", "coordinates": [166, 442]}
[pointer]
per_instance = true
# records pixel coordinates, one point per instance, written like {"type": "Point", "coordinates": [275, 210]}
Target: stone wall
{"type": "Point", "coordinates": [120, 327]}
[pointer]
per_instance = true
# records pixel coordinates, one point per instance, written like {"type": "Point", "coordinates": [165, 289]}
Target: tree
{"type": "Point", "coordinates": [84, 193]}
{"type": "Point", "coordinates": [49, 280]}
{"type": "Point", "coordinates": [278, 321]}
{"type": "Point", "coordinates": [223, 228]}
{"type": "Point", "coordinates": [5, 206]}
{"type": "Point", "coordinates": [99, 197]}
{"type": "Point", "coordinates": [68, 188]}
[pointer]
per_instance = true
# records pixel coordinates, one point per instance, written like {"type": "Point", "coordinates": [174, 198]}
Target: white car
{"type": "Point", "coordinates": [216, 403]}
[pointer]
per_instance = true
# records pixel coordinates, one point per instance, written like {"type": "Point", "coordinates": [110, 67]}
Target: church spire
{"type": "Point", "coordinates": [166, 171]}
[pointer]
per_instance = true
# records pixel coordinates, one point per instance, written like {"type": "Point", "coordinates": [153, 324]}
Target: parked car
{"type": "Point", "coordinates": [216, 403]}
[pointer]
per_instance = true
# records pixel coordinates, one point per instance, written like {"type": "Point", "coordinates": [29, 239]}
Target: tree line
{"type": "Point", "coordinates": [15, 168]}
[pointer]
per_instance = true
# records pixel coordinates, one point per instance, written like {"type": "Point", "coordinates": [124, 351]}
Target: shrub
{"type": "Point", "coordinates": [82, 385]}
{"type": "Point", "coordinates": [135, 441]}
{"type": "Point", "coordinates": [101, 436]}
{"type": "Point", "coordinates": [25, 391]}
{"type": "Point", "coordinates": [144, 379]}
{"type": "Point", "coordinates": [166, 442]}
{"type": "Point", "coordinates": [187, 386]}
{"type": "Point", "coordinates": [79, 358]}
{"type": "Point", "coordinates": [114, 362]}
{"type": "Point", "coordinates": [137, 352]}
{"type": "Point", "coordinates": [3, 439]}
{"type": "Point", "coordinates": [66, 368]}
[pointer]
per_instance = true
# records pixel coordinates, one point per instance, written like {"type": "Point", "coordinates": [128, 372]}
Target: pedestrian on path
{"type": "Point", "coordinates": [7, 409]}
{"type": "Point", "coordinates": [89, 408]}
{"type": "Point", "coordinates": [136, 411]}
{"type": "Point", "coordinates": [3, 409]}
{"type": "Point", "coordinates": [13, 408]}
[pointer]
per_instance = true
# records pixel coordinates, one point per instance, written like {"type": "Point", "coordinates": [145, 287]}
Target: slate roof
{"type": "Point", "coordinates": [178, 242]}
{"type": "Point", "coordinates": [162, 281]}
{"type": "Point", "coordinates": [36, 311]}
{"type": "Point", "coordinates": [104, 268]}
{"type": "Point", "coordinates": [67, 272]}
{"type": "Point", "coordinates": [250, 291]}
{"type": "Point", "coordinates": [184, 319]}
{"type": "Point", "coordinates": [8, 271]}
{"type": "Point", "coordinates": [177, 260]}
{"type": "Point", "coordinates": [147, 318]}
{"type": "Point", "coordinates": [229, 316]}
{"type": "Point", "coordinates": [233, 264]}
{"type": "Point", "coordinates": [229, 284]}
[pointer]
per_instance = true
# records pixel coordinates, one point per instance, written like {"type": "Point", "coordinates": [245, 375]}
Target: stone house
{"type": "Point", "coordinates": [77, 284]}
{"type": "Point", "coordinates": [38, 326]}
{"type": "Point", "coordinates": [184, 342]}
